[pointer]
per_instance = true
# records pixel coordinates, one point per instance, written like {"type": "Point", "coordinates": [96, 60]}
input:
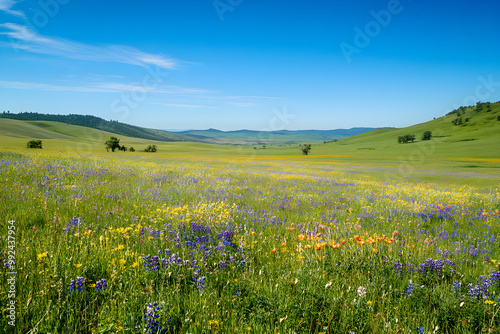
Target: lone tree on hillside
{"type": "Point", "coordinates": [427, 135]}
{"type": "Point", "coordinates": [34, 144]}
{"type": "Point", "coordinates": [113, 143]}
{"type": "Point", "coordinates": [306, 149]}
{"type": "Point", "coordinates": [406, 139]}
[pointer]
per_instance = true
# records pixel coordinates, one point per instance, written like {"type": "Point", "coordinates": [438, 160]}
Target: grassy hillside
{"type": "Point", "coordinates": [19, 129]}
{"type": "Point", "coordinates": [59, 136]}
{"type": "Point", "coordinates": [478, 135]}
{"type": "Point", "coordinates": [100, 124]}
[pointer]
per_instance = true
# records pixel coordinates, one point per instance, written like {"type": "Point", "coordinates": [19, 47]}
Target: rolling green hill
{"type": "Point", "coordinates": [477, 123]}
{"type": "Point", "coordinates": [59, 136]}
{"type": "Point", "coordinates": [20, 129]}
{"type": "Point", "coordinates": [100, 124]}
{"type": "Point", "coordinates": [474, 143]}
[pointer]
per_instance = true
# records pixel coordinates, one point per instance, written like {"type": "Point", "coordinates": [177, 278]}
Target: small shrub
{"type": "Point", "coordinates": [427, 135]}
{"type": "Point", "coordinates": [150, 148]}
{"type": "Point", "coordinates": [131, 149]}
{"type": "Point", "coordinates": [34, 144]}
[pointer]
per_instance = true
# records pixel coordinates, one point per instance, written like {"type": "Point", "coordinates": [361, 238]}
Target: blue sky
{"type": "Point", "coordinates": [262, 65]}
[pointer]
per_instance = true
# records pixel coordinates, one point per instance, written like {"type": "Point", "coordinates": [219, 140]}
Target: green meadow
{"type": "Point", "coordinates": [363, 235]}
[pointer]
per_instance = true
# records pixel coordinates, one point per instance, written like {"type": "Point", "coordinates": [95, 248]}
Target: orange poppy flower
{"type": "Point", "coordinates": [342, 241]}
{"type": "Point", "coordinates": [301, 237]}
{"type": "Point", "coordinates": [374, 250]}
{"type": "Point", "coordinates": [273, 250]}
{"type": "Point", "coordinates": [335, 245]}
{"type": "Point", "coordinates": [317, 246]}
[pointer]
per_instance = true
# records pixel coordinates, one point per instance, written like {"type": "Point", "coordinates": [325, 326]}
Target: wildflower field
{"type": "Point", "coordinates": [142, 243]}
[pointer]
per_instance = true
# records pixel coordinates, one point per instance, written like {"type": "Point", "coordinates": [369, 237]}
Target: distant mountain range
{"type": "Point", "coordinates": [281, 137]}
{"type": "Point", "coordinates": [248, 137]}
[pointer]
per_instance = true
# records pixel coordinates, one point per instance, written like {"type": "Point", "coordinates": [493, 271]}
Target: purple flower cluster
{"type": "Point", "coordinates": [480, 289]}
{"type": "Point", "coordinates": [430, 266]}
{"type": "Point", "coordinates": [100, 285]}
{"type": "Point", "coordinates": [397, 268]}
{"type": "Point", "coordinates": [410, 288]}
{"type": "Point", "coordinates": [72, 223]}
{"type": "Point", "coordinates": [198, 281]}
{"type": "Point", "coordinates": [206, 246]}
{"type": "Point", "coordinates": [150, 263]}
{"type": "Point", "coordinates": [152, 317]}
{"type": "Point", "coordinates": [76, 285]}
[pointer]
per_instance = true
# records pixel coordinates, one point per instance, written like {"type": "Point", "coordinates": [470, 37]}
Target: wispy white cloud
{"type": "Point", "coordinates": [46, 87]}
{"type": "Point", "coordinates": [245, 98]}
{"type": "Point", "coordinates": [243, 104]}
{"type": "Point", "coordinates": [109, 87]}
{"type": "Point", "coordinates": [254, 97]}
{"type": "Point", "coordinates": [6, 6]}
{"type": "Point", "coordinates": [24, 38]}
{"type": "Point", "coordinates": [183, 105]}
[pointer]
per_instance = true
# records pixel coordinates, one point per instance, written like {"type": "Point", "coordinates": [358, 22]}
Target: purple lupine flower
{"type": "Point", "coordinates": [79, 284]}
{"type": "Point", "coordinates": [410, 288]}
{"type": "Point", "coordinates": [397, 268]}
{"type": "Point", "coordinates": [71, 286]}
{"type": "Point", "coordinates": [100, 285]}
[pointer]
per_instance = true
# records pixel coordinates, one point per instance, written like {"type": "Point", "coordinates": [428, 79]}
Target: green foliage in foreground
{"type": "Point", "coordinates": [259, 247]}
